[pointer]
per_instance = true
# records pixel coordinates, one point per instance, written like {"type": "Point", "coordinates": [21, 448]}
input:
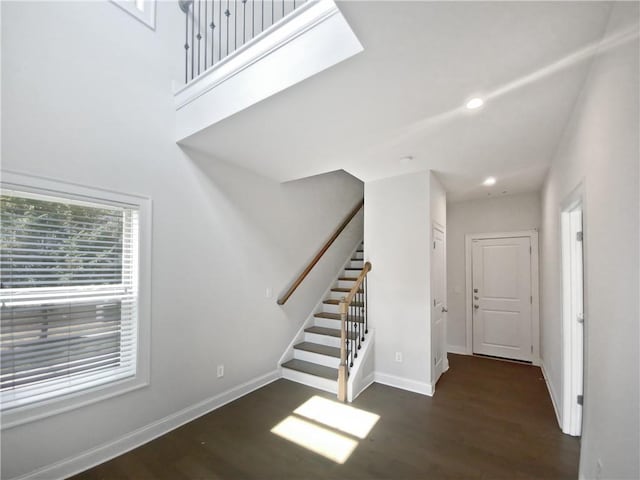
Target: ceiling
{"type": "Point", "coordinates": [404, 95]}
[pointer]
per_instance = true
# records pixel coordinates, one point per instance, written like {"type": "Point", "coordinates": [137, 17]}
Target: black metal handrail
{"type": "Point", "coordinates": [214, 29]}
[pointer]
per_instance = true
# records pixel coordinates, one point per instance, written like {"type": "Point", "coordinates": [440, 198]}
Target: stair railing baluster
{"type": "Point", "coordinates": [186, 45]}
{"type": "Point", "coordinates": [206, 29]}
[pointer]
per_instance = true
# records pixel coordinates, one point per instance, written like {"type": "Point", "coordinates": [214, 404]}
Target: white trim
{"type": "Point", "coordinates": [458, 349]}
{"type": "Point", "coordinates": [402, 383]}
{"type": "Point", "coordinates": [535, 286]}
{"type": "Point", "coordinates": [102, 453]}
{"type": "Point", "coordinates": [276, 36]}
{"type": "Point", "coordinates": [552, 393]}
{"type": "Point", "coordinates": [147, 17]}
{"type": "Point", "coordinates": [64, 403]}
{"type": "Point", "coordinates": [356, 384]}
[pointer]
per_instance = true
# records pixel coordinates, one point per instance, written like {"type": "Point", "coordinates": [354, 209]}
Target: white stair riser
{"type": "Point", "coordinates": [356, 263]}
{"type": "Point", "coordinates": [327, 323]}
{"type": "Point", "coordinates": [352, 272]}
{"type": "Point", "coordinates": [345, 283]}
{"type": "Point", "coordinates": [331, 308]}
{"type": "Point", "coordinates": [337, 295]}
{"type": "Point", "coordinates": [317, 358]}
{"type": "Point", "coordinates": [325, 384]}
{"type": "Point", "coordinates": [358, 255]}
{"type": "Point", "coordinates": [322, 339]}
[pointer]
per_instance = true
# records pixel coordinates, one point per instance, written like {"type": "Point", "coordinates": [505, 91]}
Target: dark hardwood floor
{"type": "Point", "coordinates": [488, 420]}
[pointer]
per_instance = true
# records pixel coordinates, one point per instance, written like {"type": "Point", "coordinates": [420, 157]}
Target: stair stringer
{"type": "Point", "coordinates": [309, 322]}
{"type": "Point", "coordinates": [361, 374]}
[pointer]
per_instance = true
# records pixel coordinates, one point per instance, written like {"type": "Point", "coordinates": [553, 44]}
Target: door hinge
{"type": "Point", "coordinates": [580, 399]}
{"type": "Point", "coordinates": [579, 236]}
{"type": "Point", "coordinates": [434, 302]}
{"type": "Point", "coordinates": [531, 348]}
{"type": "Point", "coordinates": [434, 244]}
{"type": "Point", "coordinates": [580, 318]}
{"type": "Point", "coordinates": [531, 299]}
{"type": "Point", "coordinates": [530, 251]}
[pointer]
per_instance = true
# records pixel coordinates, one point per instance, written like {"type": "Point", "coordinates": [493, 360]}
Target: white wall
{"type": "Point", "coordinates": [507, 213]}
{"type": "Point", "coordinates": [87, 98]}
{"type": "Point", "coordinates": [397, 233]}
{"type": "Point", "coordinates": [600, 148]}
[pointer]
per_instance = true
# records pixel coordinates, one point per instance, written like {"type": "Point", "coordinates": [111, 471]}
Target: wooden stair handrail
{"type": "Point", "coordinates": [283, 299]}
{"type": "Point", "coordinates": [344, 309]}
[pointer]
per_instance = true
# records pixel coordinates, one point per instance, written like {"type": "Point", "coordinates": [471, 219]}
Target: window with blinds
{"type": "Point", "coordinates": [69, 294]}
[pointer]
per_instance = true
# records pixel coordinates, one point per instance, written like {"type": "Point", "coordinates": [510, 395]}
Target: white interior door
{"type": "Point", "coordinates": [502, 297]}
{"type": "Point", "coordinates": [438, 304]}
{"type": "Point", "coordinates": [574, 318]}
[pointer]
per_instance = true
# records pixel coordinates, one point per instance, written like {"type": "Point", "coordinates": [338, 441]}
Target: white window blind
{"type": "Point", "coordinates": [69, 293]}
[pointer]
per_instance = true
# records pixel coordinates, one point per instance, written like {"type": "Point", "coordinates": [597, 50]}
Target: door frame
{"type": "Point", "coordinates": [572, 420]}
{"type": "Point", "coordinates": [535, 286]}
{"type": "Point", "coordinates": [445, 351]}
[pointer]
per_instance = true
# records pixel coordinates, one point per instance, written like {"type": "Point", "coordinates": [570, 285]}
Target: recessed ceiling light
{"type": "Point", "coordinates": [489, 181]}
{"type": "Point", "coordinates": [474, 103]}
{"type": "Point", "coordinates": [406, 159]}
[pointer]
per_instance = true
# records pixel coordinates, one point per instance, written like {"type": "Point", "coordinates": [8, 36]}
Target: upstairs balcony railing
{"type": "Point", "coordinates": [215, 29]}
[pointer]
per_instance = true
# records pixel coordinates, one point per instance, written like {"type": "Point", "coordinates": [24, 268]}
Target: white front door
{"type": "Point", "coordinates": [502, 297]}
{"type": "Point", "coordinates": [438, 304]}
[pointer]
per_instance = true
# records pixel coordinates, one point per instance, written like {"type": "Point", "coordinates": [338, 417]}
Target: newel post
{"type": "Point", "coordinates": [342, 369]}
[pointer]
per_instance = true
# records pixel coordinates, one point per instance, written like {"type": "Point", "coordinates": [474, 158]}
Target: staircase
{"type": "Point", "coordinates": [316, 358]}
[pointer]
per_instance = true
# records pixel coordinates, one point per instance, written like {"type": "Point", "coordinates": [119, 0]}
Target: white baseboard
{"type": "Point", "coordinates": [102, 453]}
{"type": "Point", "coordinates": [423, 388]}
{"type": "Point", "coordinates": [460, 350]}
{"type": "Point", "coordinates": [552, 393]}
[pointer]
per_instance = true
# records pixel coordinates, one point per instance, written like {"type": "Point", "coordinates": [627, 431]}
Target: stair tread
{"type": "Point", "coordinates": [317, 348]}
{"type": "Point", "coordinates": [312, 369]}
{"type": "Point", "coordinates": [332, 316]}
{"type": "Point", "coordinates": [330, 332]}
{"type": "Point", "coordinates": [348, 279]}
{"type": "Point", "coordinates": [335, 301]}
{"type": "Point", "coordinates": [343, 289]}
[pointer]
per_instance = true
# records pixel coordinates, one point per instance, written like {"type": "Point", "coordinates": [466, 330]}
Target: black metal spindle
{"type": "Point", "coordinates": [186, 46]}
{"type": "Point", "coordinates": [244, 21]}
{"type": "Point", "coordinates": [193, 49]}
{"type": "Point", "coordinates": [219, 30]}
{"type": "Point", "coordinates": [235, 25]}
{"type": "Point", "coordinates": [366, 310]}
{"type": "Point", "coordinates": [273, 2]}
{"type": "Point", "coordinates": [213, 25]}
{"type": "Point", "coordinates": [227, 13]}
{"type": "Point", "coordinates": [253, 19]}
{"type": "Point", "coordinates": [199, 36]}
{"type": "Point", "coordinates": [282, 8]}
{"type": "Point", "coordinates": [362, 309]}
{"type": "Point", "coordinates": [262, 29]}
{"type": "Point", "coordinates": [206, 3]}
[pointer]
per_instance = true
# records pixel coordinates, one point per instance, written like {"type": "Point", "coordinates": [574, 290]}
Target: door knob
{"type": "Point", "coordinates": [444, 309]}
{"type": "Point", "coordinates": [476, 306]}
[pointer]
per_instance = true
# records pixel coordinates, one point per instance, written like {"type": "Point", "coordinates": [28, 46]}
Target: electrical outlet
{"type": "Point", "coordinates": [398, 356]}
{"type": "Point", "coordinates": [220, 371]}
{"type": "Point", "coordinates": [268, 292]}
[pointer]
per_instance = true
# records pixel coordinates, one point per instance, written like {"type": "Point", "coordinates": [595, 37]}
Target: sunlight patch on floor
{"type": "Point", "coordinates": [317, 425]}
{"type": "Point", "coordinates": [345, 418]}
{"type": "Point", "coordinates": [320, 440]}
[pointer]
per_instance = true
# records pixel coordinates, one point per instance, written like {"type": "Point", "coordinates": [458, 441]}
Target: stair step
{"type": "Point", "coordinates": [331, 332]}
{"type": "Point", "coordinates": [335, 301]}
{"type": "Point", "coordinates": [317, 348]}
{"type": "Point", "coordinates": [348, 279]}
{"type": "Point", "coordinates": [332, 316]}
{"type": "Point", "coordinates": [345, 290]}
{"type": "Point", "coordinates": [312, 369]}
{"type": "Point", "coordinates": [354, 269]}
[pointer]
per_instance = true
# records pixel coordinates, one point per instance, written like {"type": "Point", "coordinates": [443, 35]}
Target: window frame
{"type": "Point", "coordinates": [148, 16]}
{"type": "Point", "coordinates": [75, 192]}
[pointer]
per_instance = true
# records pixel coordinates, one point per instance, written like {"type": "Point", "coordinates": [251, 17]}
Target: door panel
{"type": "Point", "coordinates": [438, 304]}
{"type": "Point", "coordinates": [502, 297]}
